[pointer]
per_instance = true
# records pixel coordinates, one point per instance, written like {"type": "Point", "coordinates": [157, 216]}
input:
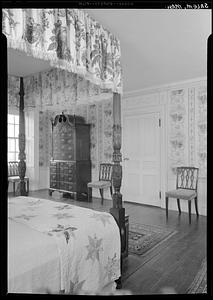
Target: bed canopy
{"type": "Point", "coordinates": [71, 40]}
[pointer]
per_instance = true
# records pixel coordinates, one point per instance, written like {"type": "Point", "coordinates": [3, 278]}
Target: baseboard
{"type": "Point", "coordinates": [141, 204]}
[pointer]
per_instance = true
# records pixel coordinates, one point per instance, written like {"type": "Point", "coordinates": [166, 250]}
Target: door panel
{"type": "Point", "coordinates": [131, 158]}
{"type": "Point", "coordinates": [141, 158]}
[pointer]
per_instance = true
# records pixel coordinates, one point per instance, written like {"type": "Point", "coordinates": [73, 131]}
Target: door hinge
{"type": "Point", "coordinates": [160, 194]}
{"type": "Point", "coordinates": [159, 122]}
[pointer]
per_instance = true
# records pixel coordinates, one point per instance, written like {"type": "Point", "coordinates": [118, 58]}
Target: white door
{"type": "Point", "coordinates": [141, 158]}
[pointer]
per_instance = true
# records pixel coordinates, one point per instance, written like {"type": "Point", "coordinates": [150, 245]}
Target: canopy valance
{"type": "Point", "coordinates": [69, 39]}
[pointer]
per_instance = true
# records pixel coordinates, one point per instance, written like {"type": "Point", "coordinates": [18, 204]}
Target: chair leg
{"type": "Point", "coordinates": [14, 188]}
{"type": "Point", "coordinates": [189, 206]}
{"type": "Point", "coordinates": [167, 202]}
{"type": "Point", "coordinates": [111, 191]}
{"type": "Point", "coordinates": [178, 204]}
{"type": "Point", "coordinates": [102, 195]}
{"type": "Point", "coordinates": [28, 187]}
{"type": "Point", "coordinates": [196, 208]}
{"type": "Point", "coordinates": [88, 194]}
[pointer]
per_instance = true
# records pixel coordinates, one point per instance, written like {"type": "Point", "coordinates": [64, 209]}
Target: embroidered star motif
{"type": "Point", "coordinates": [75, 287]}
{"type": "Point", "coordinates": [94, 248]}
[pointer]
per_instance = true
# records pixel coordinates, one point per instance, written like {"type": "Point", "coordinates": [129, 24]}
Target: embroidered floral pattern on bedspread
{"type": "Point", "coordinates": [101, 217]}
{"type": "Point", "coordinates": [88, 242]}
{"type": "Point", "coordinates": [62, 215]}
{"type": "Point", "coordinates": [111, 267]}
{"type": "Point", "coordinates": [34, 203]}
{"type": "Point", "coordinates": [76, 287]}
{"type": "Point", "coordinates": [94, 248]}
{"type": "Point", "coordinates": [61, 229]}
{"type": "Point", "coordinates": [25, 217]}
{"type": "Point", "coordinates": [61, 207]}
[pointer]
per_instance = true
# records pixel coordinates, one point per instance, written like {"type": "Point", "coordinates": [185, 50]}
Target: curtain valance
{"type": "Point", "coordinates": [69, 39]}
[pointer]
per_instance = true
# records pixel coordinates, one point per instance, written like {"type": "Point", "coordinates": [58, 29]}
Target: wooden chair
{"type": "Point", "coordinates": [104, 182]}
{"type": "Point", "coordinates": [13, 176]}
{"type": "Point", "coordinates": [186, 188]}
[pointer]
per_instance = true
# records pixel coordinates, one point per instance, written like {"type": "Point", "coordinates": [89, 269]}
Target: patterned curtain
{"type": "Point", "coordinates": [69, 39]}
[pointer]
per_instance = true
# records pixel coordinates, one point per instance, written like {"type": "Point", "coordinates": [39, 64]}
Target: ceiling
{"type": "Point", "coordinates": [157, 46]}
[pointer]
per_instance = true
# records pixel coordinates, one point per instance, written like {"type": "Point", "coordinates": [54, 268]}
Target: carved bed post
{"type": "Point", "coordinates": [118, 211]}
{"type": "Point", "coordinates": [22, 155]}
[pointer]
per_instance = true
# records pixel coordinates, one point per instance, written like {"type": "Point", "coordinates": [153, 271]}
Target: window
{"type": "Point", "coordinates": [12, 137]}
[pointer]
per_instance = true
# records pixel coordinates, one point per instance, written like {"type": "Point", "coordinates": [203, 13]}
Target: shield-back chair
{"type": "Point", "coordinates": [104, 181]}
{"type": "Point", "coordinates": [186, 189]}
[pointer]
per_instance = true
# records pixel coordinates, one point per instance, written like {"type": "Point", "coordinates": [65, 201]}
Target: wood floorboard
{"type": "Point", "coordinates": [168, 268]}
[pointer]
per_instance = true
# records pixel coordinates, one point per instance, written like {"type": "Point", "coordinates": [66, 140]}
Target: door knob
{"type": "Point", "coordinates": [126, 158]}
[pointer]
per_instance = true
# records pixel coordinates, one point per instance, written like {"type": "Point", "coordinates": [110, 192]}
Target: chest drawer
{"type": "Point", "coordinates": [53, 165]}
{"type": "Point", "coordinates": [67, 168]}
{"type": "Point", "coordinates": [68, 186]}
{"type": "Point", "coordinates": [54, 184]}
{"type": "Point", "coordinates": [67, 178]}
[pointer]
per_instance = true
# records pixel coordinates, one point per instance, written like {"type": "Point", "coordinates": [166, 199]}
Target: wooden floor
{"type": "Point", "coordinates": [170, 267]}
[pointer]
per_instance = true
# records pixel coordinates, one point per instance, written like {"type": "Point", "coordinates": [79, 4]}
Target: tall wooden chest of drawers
{"type": "Point", "coordinates": [70, 166]}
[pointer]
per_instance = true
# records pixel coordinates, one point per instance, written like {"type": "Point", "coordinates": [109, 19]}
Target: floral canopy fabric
{"type": "Point", "coordinates": [69, 39]}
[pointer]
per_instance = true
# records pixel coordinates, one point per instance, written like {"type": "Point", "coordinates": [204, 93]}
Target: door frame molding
{"type": "Point", "coordinates": [158, 105]}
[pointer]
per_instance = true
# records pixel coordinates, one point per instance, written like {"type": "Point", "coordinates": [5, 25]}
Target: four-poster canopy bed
{"type": "Point", "coordinates": [71, 40]}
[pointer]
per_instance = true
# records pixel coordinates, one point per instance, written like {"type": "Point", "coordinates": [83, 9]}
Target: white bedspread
{"type": "Point", "coordinates": [58, 246]}
{"type": "Point", "coordinates": [33, 261]}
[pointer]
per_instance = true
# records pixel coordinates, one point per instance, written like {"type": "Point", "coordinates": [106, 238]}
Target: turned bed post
{"type": "Point", "coordinates": [22, 155]}
{"type": "Point", "coordinates": [118, 211]}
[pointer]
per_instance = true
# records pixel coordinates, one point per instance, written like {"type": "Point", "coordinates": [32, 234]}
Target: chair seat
{"type": "Point", "coordinates": [16, 178]}
{"type": "Point", "coordinates": [99, 184]}
{"type": "Point", "coordinates": [185, 194]}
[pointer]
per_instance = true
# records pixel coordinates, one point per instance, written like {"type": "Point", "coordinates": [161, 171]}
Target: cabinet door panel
{"type": "Point", "coordinates": [63, 141]}
{"type": "Point", "coordinates": [82, 142]}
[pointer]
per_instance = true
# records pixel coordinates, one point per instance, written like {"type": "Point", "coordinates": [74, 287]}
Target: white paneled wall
{"type": "Point", "coordinates": [183, 111]}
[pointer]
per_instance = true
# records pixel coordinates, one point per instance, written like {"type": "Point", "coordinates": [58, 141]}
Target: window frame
{"type": "Point", "coordinates": [13, 137]}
